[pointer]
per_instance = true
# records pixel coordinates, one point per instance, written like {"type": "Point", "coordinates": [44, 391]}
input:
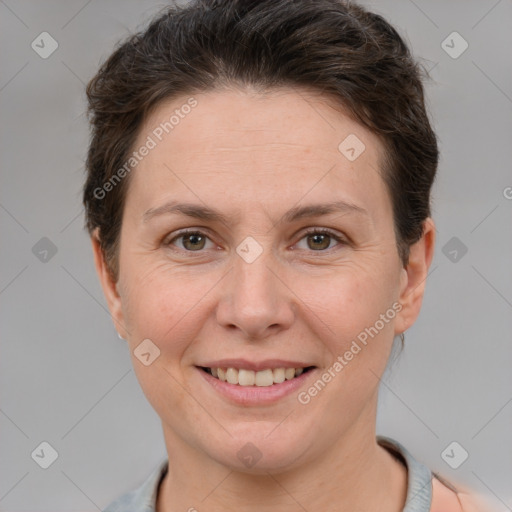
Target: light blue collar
{"type": "Point", "coordinates": [419, 485]}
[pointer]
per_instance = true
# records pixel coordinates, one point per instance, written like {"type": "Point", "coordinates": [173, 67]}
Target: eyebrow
{"type": "Point", "coordinates": [209, 214]}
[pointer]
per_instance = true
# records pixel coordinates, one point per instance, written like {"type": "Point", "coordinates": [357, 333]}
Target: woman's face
{"type": "Point", "coordinates": [253, 289]}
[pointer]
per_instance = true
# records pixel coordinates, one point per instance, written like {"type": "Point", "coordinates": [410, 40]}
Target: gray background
{"type": "Point", "coordinates": [66, 378]}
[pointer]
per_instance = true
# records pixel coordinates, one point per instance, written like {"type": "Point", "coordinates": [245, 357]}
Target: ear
{"type": "Point", "coordinates": [109, 286]}
{"type": "Point", "coordinates": [414, 276]}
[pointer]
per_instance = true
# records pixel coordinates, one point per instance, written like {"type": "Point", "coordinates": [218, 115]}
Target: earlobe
{"type": "Point", "coordinates": [414, 276]}
{"type": "Point", "coordinates": [108, 285]}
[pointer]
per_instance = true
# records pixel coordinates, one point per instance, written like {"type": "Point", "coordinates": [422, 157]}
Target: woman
{"type": "Point", "coordinates": [258, 199]}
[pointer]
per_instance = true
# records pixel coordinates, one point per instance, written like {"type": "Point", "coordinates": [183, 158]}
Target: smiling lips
{"type": "Point", "coordinates": [248, 373]}
{"type": "Point", "coordinates": [248, 377]}
{"type": "Point", "coordinates": [250, 383]}
{"type": "Point", "coordinates": [261, 378]}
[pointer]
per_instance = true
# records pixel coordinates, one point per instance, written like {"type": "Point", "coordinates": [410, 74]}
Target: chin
{"type": "Point", "coordinates": [260, 451]}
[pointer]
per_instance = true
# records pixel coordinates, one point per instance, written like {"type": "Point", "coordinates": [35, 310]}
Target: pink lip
{"type": "Point", "coordinates": [255, 395]}
{"type": "Point", "coordinates": [256, 366]}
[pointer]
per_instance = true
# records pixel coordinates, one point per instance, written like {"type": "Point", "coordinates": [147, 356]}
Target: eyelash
{"type": "Point", "coordinates": [310, 231]}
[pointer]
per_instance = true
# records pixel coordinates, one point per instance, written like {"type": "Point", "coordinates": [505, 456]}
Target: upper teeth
{"type": "Point", "coordinates": [251, 378]}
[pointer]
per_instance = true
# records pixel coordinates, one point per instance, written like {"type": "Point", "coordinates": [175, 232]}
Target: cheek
{"type": "Point", "coordinates": [347, 301]}
{"type": "Point", "coordinates": [163, 303]}
{"type": "Point", "coordinates": [167, 304]}
{"type": "Point", "coordinates": [347, 310]}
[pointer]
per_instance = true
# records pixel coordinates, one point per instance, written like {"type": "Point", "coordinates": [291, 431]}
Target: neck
{"type": "Point", "coordinates": [354, 474]}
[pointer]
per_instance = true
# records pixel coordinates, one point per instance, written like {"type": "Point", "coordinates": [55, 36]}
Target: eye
{"type": "Point", "coordinates": [319, 240]}
{"type": "Point", "coordinates": [192, 240]}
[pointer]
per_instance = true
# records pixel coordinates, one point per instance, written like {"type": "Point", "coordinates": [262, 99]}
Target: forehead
{"type": "Point", "coordinates": [246, 147]}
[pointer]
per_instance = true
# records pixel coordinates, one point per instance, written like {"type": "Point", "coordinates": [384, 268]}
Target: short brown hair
{"type": "Point", "coordinates": [334, 47]}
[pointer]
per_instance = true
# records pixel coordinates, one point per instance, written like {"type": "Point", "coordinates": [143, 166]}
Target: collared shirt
{"type": "Point", "coordinates": [421, 483]}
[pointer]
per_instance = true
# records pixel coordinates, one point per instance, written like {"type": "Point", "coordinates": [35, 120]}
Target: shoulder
{"type": "Point", "coordinates": [428, 491]}
{"type": "Point", "coordinates": [143, 498]}
{"type": "Point", "coordinates": [445, 498]}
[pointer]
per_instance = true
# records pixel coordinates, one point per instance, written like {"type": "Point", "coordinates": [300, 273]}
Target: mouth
{"type": "Point", "coordinates": [249, 378]}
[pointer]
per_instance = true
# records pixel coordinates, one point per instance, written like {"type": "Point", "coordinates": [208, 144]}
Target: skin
{"type": "Point", "coordinates": [254, 156]}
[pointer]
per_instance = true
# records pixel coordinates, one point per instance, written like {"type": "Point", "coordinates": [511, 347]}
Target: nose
{"type": "Point", "coordinates": [256, 299]}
